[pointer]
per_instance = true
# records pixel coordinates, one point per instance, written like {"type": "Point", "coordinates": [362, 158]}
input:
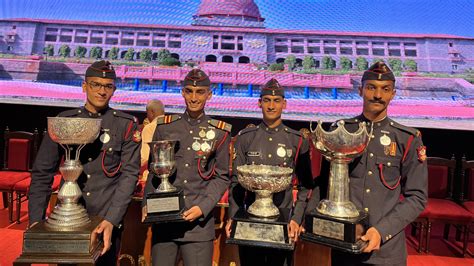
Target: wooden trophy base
{"type": "Point", "coordinates": [249, 230]}
{"type": "Point", "coordinates": [164, 207]}
{"type": "Point", "coordinates": [44, 245]}
{"type": "Point", "coordinates": [338, 233]}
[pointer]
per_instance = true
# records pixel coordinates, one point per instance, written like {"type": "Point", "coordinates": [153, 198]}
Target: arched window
{"type": "Point", "coordinates": [227, 59]}
{"type": "Point", "coordinates": [244, 60]}
{"type": "Point", "coordinates": [175, 56]}
{"type": "Point", "coordinates": [211, 58]}
{"type": "Point", "coordinates": [280, 60]}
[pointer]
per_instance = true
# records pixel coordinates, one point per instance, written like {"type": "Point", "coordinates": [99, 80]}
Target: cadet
{"type": "Point", "coordinates": [202, 163]}
{"type": "Point", "coordinates": [392, 166]}
{"type": "Point", "coordinates": [271, 143]}
{"type": "Point", "coordinates": [111, 163]}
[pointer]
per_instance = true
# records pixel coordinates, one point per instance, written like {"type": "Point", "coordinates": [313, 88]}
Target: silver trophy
{"type": "Point", "coordinates": [264, 180]}
{"type": "Point", "coordinates": [71, 131]}
{"type": "Point", "coordinates": [166, 203]}
{"type": "Point", "coordinates": [262, 224]}
{"type": "Point", "coordinates": [163, 163]}
{"type": "Point", "coordinates": [336, 221]}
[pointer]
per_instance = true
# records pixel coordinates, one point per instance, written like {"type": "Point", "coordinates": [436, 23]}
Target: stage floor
{"type": "Point", "coordinates": [424, 113]}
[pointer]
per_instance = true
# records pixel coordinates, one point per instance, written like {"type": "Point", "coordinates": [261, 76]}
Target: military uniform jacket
{"type": "Point", "coordinates": [392, 166]}
{"type": "Point", "coordinates": [280, 146]}
{"type": "Point", "coordinates": [202, 171]}
{"type": "Point", "coordinates": [111, 166]}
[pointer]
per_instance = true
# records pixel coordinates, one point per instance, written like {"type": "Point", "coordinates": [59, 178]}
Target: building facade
{"type": "Point", "coordinates": [235, 33]}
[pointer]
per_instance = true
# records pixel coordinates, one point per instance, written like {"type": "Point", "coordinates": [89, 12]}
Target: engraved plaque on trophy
{"type": "Point", "coordinates": [66, 236]}
{"type": "Point", "coordinates": [166, 203]}
{"type": "Point", "coordinates": [336, 222]}
{"type": "Point", "coordinates": [262, 224]}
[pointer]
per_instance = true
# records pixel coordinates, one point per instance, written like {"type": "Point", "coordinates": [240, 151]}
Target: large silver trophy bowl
{"type": "Point", "coordinates": [340, 147]}
{"type": "Point", "coordinates": [71, 131]}
{"type": "Point", "coordinates": [163, 163]}
{"type": "Point", "coordinates": [264, 180]}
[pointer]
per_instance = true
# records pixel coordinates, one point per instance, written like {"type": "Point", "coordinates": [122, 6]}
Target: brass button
{"type": "Point", "coordinates": [389, 164]}
{"type": "Point", "coordinates": [389, 236]}
{"type": "Point", "coordinates": [88, 193]}
{"type": "Point", "coordinates": [90, 159]}
{"type": "Point", "coordinates": [371, 155]}
{"type": "Point", "coordinates": [110, 149]}
{"type": "Point", "coordinates": [115, 113]}
{"type": "Point", "coordinates": [269, 156]}
{"type": "Point", "coordinates": [184, 197]}
{"type": "Point", "coordinates": [185, 181]}
{"type": "Point", "coordinates": [186, 164]}
{"type": "Point", "coordinates": [369, 173]}
{"type": "Point", "coordinates": [284, 163]}
{"type": "Point", "coordinates": [189, 148]}
{"type": "Point", "coordinates": [367, 190]}
{"type": "Point", "coordinates": [79, 111]}
{"type": "Point", "coordinates": [190, 132]}
{"type": "Point", "coordinates": [366, 209]}
{"type": "Point", "coordinates": [372, 136]}
{"type": "Point", "coordinates": [88, 176]}
{"type": "Point", "coordinates": [99, 114]}
{"type": "Point", "coordinates": [270, 139]}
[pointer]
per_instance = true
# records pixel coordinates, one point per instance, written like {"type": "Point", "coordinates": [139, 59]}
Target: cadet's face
{"type": "Point", "coordinates": [196, 97]}
{"type": "Point", "coordinates": [98, 91]}
{"type": "Point", "coordinates": [272, 107]}
{"type": "Point", "coordinates": [377, 94]}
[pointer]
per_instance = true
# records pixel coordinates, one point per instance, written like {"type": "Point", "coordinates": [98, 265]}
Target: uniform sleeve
{"type": "Point", "coordinates": [305, 181]}
{"type": "Point", "coordinates": [122, 196]}
{"type": "Point", "coordinates": [44, 169]}
{"type": "Point", "coordinates": [236, 191]}
{"type": "Point", "coordinates": [220, 181]}
{"type": "Point", "coordinates": [414, 174]}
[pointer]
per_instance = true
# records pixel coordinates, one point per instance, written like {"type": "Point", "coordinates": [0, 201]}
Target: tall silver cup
{"type": "Point", "coordinates": [163, 164]}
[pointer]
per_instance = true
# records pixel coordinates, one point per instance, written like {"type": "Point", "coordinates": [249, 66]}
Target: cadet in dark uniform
{"type": "Point", "coordinates": [272, 143]}
{"type": "Point", "coordinates": [202, 163]}
{"type": "Point", "coordinates": [111, 163]}
{"type": "Point", "coordinates": [389, 180]}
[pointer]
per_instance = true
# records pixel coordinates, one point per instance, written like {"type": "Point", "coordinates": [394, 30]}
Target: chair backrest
{"type": "Point", "coordinates": [20, 150]}
{"type": "Point", "coordinates": [440, 177]}
{"type": "Point", "coordinates": [467, 179]}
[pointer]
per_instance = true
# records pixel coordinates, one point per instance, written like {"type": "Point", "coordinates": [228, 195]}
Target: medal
{"type": "Point", "coordinates": [385, 140]}
{"type": "Point", "coordinates": [202, 133]}
{"type": "Point", "coordinates": [281, 152]}
{"type": "Point", "coordinates": [289, 152]}
{"type": "Point", "coordinates": [104, 138]}
{"type": "Point", "coordinates": [210, 134]}
{"type": "Point", "coordinates": [205, 147]}
{"type": "Point", "coordinates": [196, 146]}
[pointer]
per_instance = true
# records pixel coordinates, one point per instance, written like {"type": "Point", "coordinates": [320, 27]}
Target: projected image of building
{"type": "Point", "coordinates": [236, 33]}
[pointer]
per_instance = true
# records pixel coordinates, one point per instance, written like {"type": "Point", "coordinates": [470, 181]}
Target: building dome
{"type": "Point", "coordinates": [241, 8]}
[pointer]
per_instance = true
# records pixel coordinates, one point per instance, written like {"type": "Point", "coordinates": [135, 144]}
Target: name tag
{"type": "Point", "coordinates": [253, 154]}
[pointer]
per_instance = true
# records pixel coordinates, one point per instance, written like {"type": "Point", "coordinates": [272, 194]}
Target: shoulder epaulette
{"type": "Point", "coordinates": [68, 113]}
{"type": "Point", "coordinates": [413, 131]}
{"type": "Point", "coordinates": [220, 125]}
{"type": "Point", "coordinates": [296, 132]}
{"type": "Point", "coordinates": [167, 119]}
{"type": "Point", "coordinates": [247, 129]}
{"type": "Point", "coordinates": [124, 115]}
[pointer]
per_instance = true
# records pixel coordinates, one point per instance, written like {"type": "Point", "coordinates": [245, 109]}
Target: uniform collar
{"type": "Point", "coordinates": [380, 123]}
{"type": "Point", "coordinates": [194, 121]}
{"type": "Point", "coordinates": [95, 115]}
{"type": "Point", "coordinates": [264, 127]}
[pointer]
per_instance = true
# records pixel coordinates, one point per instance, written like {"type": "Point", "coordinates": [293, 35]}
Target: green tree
{"type": "Point", "coordinates": [308, 62]}
{"type": "Point", "coordinates": [113, 53]}
{"type": "Point", "coordinates": [129, 54]}
{"type": "Point", "coordinates": [410, 65]}
{"type": "Point", "coordinates": [96, 52]}
{"type": "Point", "coordinates": [170, 61]}
{"type": "Point", "coordinates": [64, 50]}
{"type": "Point", "coordinates": [276, 67]}
{"type": "Point", "coordinates": [80, 51]}
{"type": "Point", "coordinates": [346, 63]}
{"type": "Point", "coordinates": [328, 63]}
{"type": "Point", "coordinates": [48, 50]}
{"type": "Point", "coordinates": [146, 55]}
{"type": "Point", "coordinates": [290, 61]}
{"type": "Point", "coordinates": [395, 64]}
{"type": "Point", "coordinates": [162, 55]}
{"type": "Point", "coordinates": [361, 63]}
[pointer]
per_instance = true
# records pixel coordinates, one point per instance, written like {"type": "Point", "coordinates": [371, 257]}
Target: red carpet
{"type": "Point", "coordinates": [442, 252]}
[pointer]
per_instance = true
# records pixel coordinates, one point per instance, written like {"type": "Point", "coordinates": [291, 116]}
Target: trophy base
{"type": "Point", "coordinates": [164, 207]}
{"type": "Point", "coordinates": [338, 233]}
{"type": "Point", "coordinates": [43, 244]}
{"type": "Point", "coordinates": [248, 230]}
